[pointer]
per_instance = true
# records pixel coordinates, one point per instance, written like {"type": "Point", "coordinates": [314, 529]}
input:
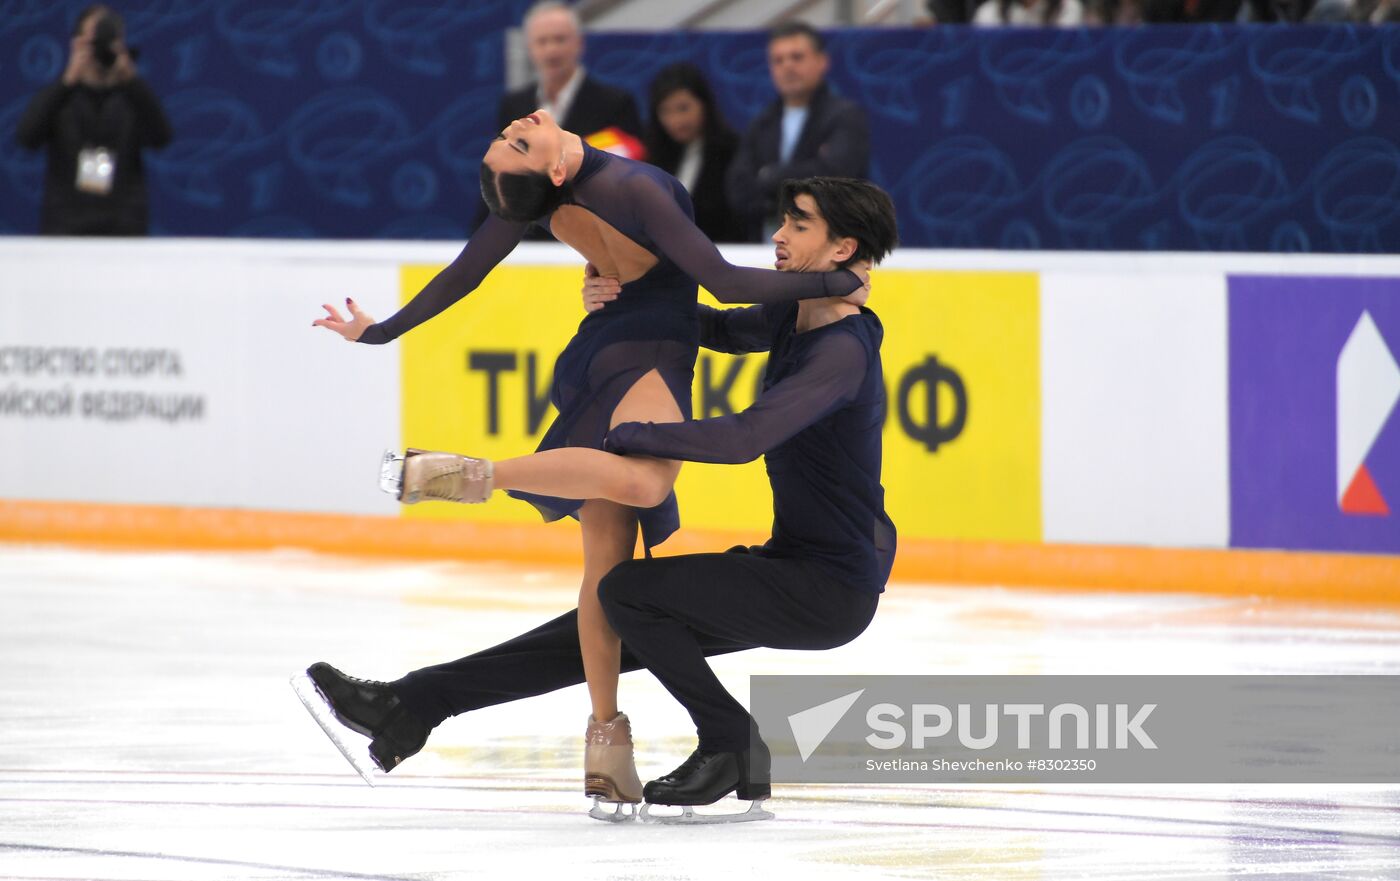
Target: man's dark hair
{"type": "Point", "coordinates": [850, 207]}
{"type": "Point", "coordinates": [798, 28]}
{"type": "Point", "coordinates": [522, 198]}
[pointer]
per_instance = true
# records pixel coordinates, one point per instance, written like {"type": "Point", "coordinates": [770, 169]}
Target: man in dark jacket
{"type": "Point", "coordinates": [807, 132]}
{"type": "Point", "coordinates": [94, 123]}
{"type": "Point", "coordinates": [577, 101]}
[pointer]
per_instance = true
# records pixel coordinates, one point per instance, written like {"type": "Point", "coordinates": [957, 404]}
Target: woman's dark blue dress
{"type": "Point", "coordinates": [652, 325]}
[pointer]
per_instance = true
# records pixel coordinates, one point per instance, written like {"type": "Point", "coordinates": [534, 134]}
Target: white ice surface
{"type": "Point", "coordinates": [147, 732]}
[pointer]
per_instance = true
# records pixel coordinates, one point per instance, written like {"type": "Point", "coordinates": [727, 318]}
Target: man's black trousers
{"type": "Point", "coordinates": [671, 612]}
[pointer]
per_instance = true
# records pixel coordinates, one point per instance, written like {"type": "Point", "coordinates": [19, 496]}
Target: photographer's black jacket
{"type": "Point", "coordinates": [65, 119]}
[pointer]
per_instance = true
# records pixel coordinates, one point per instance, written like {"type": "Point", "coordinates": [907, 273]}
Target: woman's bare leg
{"type": "Point", "coordinates": [609, 538]}
{"type": "Point", "coordinates": [583, 473]}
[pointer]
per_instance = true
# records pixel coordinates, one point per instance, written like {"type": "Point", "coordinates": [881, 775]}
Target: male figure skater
{"type": "Point", "coordinates": [814, 585]}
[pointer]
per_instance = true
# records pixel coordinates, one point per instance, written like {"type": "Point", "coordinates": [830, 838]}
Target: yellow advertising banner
{"type": "Point", "coordinates": [961, 360]}
{"type": "Point", "coordinates": [962, 371]}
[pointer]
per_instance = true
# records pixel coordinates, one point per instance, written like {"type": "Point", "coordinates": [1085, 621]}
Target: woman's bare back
{"type": "Point", "coordinates": [613, 254]}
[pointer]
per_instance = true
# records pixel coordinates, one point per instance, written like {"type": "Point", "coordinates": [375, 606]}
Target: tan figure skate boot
{"type": "Point", "coordinates": [444, 476]}
{"type": "Point", "coordinates": [609, 772]}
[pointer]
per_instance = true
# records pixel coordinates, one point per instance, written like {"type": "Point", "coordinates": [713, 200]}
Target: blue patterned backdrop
{"type": "Point", "coordinates": [1192, 137]}
{"type": "Point", "coordinates": [299, 118]}
{"type": "Point", "coordinates": [366, 118]}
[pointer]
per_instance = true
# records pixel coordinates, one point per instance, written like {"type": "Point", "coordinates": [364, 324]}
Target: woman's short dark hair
{"type": "Point", "coordinates": [522, 198]}
{"type": "Point", "coordinates": [850, 207]}
{"type": "Point", "coordinates": [662, 149]}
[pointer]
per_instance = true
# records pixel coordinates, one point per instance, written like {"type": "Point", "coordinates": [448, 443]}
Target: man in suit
{"type": "Point", "coordinates": [579, 102]}
{"type": "Point", "coordinates": [604, 116]}
{"type": "Point", "coordinates": [807, 132]}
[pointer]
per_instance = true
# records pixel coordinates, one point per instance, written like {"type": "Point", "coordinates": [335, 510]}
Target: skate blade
{"type": "Point", "coordinates": [310, 698]}
{"type": "Point", "coordinates": [688, 817]}
{"type": "Point", "coordinates": [391, 474]}
{"type": "Point", "coordinates": [617, 815]}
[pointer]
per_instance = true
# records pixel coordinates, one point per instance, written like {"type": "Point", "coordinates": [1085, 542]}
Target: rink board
{"type": "Point", "coordinates": [1064, 412]}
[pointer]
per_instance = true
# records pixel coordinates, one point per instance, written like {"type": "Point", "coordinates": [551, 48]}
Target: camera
{"type": "Point", "coordinates": [104, 40]}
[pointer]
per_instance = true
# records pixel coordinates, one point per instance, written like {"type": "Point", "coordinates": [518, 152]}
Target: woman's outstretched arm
{"type": "Point", "coordinates": [487, 247]}
{"type": "Point", "coordinates": [677, 236]}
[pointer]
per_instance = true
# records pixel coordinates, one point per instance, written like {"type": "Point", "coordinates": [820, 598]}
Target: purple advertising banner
{"type": "Point", "coordinates": [1314, 421]}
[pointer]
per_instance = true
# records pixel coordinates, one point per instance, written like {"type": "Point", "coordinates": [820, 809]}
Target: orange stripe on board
{"type": "Point", "coordinates": [1349, 578]}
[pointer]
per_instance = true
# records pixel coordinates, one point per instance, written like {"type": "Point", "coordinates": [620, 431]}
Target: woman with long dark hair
{"type": "Point", "coordinates": [687, 137]}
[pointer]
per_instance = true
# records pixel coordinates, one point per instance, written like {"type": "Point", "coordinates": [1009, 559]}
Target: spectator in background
{"type": "Point", "coordinates": [949, 11]}
{"type": "Point", "coordinates": [1035, 13]}
{"type": "Point", "coordinates": [604, 116]}
{"type": "Point", "coordinates": [807, 132]}
{"type": "Point", "coordinates": [94, 123]}
{"type": "Point", "coordinates": [687, 137]}
{"type": "Point", "coordinates": [1188, 11]}
{"type": "Point", "coordinates": [578, 102]}
{"type": "Point", "coordinates": [1112, 12]}
{"type": "Point", "coordinates": [1378, 12]}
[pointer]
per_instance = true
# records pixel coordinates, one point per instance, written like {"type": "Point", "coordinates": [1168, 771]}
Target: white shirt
{"type": "Point", "coordinates": [559, 107]}
{"type": "Point", "coordinates": [794, 118]}
{"type": "Point", "coordinates": [688, 172]}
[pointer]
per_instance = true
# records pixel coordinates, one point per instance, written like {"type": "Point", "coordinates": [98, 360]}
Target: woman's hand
{"type": "Point", "coordinates": [862, 293]}
{"type": "Point", "coordinates": [598, 290]}
{"type": "Point", "coordinates": [351, 329]}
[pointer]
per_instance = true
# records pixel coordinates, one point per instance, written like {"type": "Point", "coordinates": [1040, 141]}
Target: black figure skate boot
{"type": "Point", "coordinates": [707, 777]}
{"type": "Point", "coordinates": [365, 707]}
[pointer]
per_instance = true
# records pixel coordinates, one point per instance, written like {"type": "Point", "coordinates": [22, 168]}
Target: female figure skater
{"type": "Point", "coordinates": [631, 362]}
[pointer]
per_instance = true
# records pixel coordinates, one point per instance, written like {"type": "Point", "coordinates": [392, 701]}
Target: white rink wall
{"type": "Point", "coordinates": [186, 372]}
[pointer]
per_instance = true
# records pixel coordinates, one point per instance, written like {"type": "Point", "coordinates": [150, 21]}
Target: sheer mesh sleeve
{"type": "Point", "coordinates": [678, 238]}
{"type": "Point", "coordinates": [830, 376]}
{"type": "Point", "coordinates": [487, 247]}
{"type": "Point", "coordinates": [736, 331]}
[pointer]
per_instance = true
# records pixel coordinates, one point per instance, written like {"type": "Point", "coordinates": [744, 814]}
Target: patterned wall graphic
{"type": "Point", "coordinates": [367, 118]}
{"type": "Point", "coordinates": [1163, 138]}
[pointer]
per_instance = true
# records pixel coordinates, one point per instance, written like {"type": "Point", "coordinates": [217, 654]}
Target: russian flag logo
{"type": "Point", "coordinates": [1368, 386]}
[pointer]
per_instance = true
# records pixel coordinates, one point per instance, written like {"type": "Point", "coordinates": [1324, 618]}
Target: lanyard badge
{"type": "Point", "coordinates": [97, 166]}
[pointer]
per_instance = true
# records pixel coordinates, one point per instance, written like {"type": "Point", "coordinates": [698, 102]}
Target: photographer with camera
{"type": "Point", "coordinates": [94, 123]}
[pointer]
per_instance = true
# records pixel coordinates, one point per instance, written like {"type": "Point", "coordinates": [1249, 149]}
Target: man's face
{"type": "Point", "coordinates": [554, 43]}
{"type": "Point", "coordinates": [796, 66]}
{"type": "Point", "coordinates": [804, 244]}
